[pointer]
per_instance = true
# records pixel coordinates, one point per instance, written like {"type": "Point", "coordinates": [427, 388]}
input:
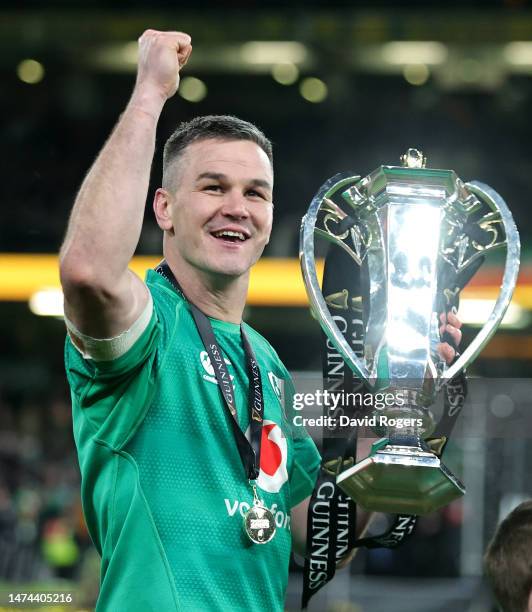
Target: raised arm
{"type": "Point", "coordinates": [102, 297]}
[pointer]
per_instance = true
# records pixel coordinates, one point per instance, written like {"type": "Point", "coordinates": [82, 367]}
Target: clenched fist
{"type": "Point", "coordinates": [161, 57]}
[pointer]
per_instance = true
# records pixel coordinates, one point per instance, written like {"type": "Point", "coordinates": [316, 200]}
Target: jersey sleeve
{"type": "Point", "coordinates": [108, 349]}
{"type": "Point", "coordinates": [307, 459]}
{"type": "Point", "coordinates": [110, 397]}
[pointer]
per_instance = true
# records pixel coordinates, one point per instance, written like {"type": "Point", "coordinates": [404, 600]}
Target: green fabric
{"type": "Point", "coordinates": [163, 486]}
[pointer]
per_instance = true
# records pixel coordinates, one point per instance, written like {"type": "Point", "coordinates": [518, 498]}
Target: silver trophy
{"type": "Point", "coordinates": [412, 228]}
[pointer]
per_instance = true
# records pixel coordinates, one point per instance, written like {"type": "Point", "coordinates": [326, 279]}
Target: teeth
{"type": "Point", "coordinates": [230, 233]}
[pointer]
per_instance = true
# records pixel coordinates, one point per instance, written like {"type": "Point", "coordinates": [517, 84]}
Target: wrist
{"type": "Point", "coordinates": [148, 102]}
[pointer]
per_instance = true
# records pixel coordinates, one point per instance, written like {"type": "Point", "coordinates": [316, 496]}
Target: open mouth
{"type": "Point", "coordinates": [230, 236]}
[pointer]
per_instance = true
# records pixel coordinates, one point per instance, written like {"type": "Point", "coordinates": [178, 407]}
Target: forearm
{"type": "Point", "coordinates": [106, 220]}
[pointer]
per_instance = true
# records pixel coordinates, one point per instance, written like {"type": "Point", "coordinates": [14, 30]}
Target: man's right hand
{"type": "Point", "coordinates": [161, 57]}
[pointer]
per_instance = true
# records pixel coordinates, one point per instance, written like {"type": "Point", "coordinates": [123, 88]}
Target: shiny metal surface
{"type": "Point", "coordinates": [401, 479]}
{"type": "Point", "coordinates": [414, 229]}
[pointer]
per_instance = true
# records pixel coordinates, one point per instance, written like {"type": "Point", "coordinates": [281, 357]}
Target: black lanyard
{"type": "Point", "coordinates": [249, 450]}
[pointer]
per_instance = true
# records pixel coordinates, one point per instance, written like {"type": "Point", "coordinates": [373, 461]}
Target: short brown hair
{"type": "Point", "coordinates": [508, 559]}
{"type": "Point", "coordinates": [221, 127]}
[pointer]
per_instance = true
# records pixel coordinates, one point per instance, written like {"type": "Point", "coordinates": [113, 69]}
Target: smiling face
{"type": "Point", "coordinates": [218, 219]}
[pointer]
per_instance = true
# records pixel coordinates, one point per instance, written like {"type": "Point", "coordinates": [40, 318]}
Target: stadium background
{"type": "Point", "coordinates": [337, 87]}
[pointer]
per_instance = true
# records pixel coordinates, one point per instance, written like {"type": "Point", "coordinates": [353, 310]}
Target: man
{"type": "Point", "coordinates": [168, 477]}
{"type": "Point", "coordinates": [164, 487]}
{"type": "Point", "coordinates": [508, 560]}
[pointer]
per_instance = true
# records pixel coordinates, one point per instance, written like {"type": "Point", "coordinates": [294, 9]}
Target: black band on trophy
{"type": "Point", "coordinates": [454, 400]}
{"type": "Point", "coordinates": [249, 451]}
{"type": "Point", "coordinates": [402, 527]}
{"type": "Point", "coordinates": [331, 521]}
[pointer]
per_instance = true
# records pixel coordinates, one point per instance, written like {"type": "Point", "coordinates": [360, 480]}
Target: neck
{"type": "Point", "coordinates": [217, 296]}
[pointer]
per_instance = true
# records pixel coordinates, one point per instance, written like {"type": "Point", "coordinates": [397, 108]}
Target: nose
{"type": "Point", "coordinates": [235, 205]}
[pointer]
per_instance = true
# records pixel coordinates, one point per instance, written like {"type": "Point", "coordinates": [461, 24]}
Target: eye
{"type": "Point", "coordinates": [254, 194]}
{"type": "Point", "coordinates": [212, 188]}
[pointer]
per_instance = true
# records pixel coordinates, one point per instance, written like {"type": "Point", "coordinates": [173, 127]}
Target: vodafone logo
{"type": "Point", "coordinates": [273, 456]}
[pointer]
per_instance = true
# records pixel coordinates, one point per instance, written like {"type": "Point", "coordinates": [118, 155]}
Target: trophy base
{"type": "Point", "coordinates": [401, 480]}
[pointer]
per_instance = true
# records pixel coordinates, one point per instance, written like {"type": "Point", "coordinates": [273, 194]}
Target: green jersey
{"type": "Point", "coordinates": [163, 487]}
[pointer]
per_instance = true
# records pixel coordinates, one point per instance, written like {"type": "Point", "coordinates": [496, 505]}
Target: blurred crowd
{"type": "Point", "coordinates": [42, 532]}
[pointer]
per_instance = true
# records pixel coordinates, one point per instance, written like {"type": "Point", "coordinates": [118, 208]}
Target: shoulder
{"type": "Point", "coordinates": [164, 295]}
{"type": "Point", "coordinates": [168, 303]}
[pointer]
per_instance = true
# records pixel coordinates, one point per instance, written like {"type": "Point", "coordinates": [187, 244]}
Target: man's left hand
{"type": "Point", "coordinates": [451, 324]}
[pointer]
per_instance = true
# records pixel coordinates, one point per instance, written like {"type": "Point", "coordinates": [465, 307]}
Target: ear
{"type": "Point", "coordinates": [162, 207]}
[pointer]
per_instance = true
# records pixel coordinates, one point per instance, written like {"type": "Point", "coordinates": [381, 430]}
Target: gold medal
{"type": "Point", "coordinates": [259, 522]}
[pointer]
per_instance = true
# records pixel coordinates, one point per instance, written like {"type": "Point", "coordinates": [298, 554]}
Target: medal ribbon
{"type": "Point", "coordinates": [249, 451]}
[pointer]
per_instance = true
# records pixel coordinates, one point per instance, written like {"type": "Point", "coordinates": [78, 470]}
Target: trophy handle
{"type": "Point", "coordinates": [312, 286]}
{"type": "Point", "coordinates": [511, 270]}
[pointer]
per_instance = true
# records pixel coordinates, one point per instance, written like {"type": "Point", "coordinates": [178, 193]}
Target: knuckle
{"type": "Point", "coordinates": [147, 34]}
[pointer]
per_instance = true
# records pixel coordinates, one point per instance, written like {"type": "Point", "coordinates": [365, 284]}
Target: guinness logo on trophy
{"type": "Point", "coordinates": [415, 235]}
